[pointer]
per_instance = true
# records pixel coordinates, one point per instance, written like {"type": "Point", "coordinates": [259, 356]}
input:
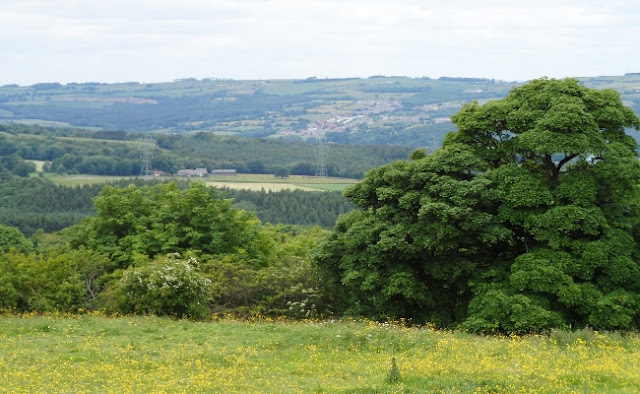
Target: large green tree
{"type": "Point", "coordinates": [527, 218]}
{"type": "Point", "coordinates": [156, 220]}
{"type": "Point", "coordinates": [424, 229]}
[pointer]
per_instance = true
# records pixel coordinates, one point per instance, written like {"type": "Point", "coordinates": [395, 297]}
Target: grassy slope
{"type": "Point", "coordinates": [148, 354]}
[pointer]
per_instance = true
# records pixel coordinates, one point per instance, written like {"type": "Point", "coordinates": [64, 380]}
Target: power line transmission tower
{"type": "Point", "coordinates": [321, 167]}
{"type": "Point", "coordinates": [146, 154]}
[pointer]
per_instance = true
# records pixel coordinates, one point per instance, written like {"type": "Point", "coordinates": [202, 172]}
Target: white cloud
{"type": "Point", "coordinates": [76, 40]}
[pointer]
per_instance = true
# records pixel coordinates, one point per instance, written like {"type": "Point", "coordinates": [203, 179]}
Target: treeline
{"type": "Point", "coordinates": [164, 250]}
{"type": "Point", "coordinates": [71, 152]}
{"type": "Point", "coordinates": [263, 156]}
{"type": "Point", "coordinates": [15, 165]}
{"type": "Point", "coordinates": [32, 204]}
{"type": "Point", "coordinates": [399, 134]}
{"type": "Point", "coordinates": [292, 206]}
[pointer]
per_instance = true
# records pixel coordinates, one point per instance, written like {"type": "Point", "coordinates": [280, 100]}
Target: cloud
{"type": "Point", "coordinates": [65, 40]}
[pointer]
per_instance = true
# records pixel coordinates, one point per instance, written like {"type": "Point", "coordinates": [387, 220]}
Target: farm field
{"type": "Point", "coordinates": [269, 182]}
{"type": "Point", "coordinates": [150, 354]}
{"type": "Point", "coordinates": [240, 181]}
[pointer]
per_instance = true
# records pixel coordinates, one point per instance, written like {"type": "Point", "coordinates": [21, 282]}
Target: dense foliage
{"type": "Point", "coordinates": [36, 203]}
{"type": "Point", "coordinates": [292, 206]}
{"type": "Point", "coordinates": [165, 250]}
{"type": "Point", "coordinates": [167, 286]}
{"type": "Point", "coordinates": [527, 218]}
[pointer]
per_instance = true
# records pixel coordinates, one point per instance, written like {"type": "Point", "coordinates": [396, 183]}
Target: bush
{"type": "Point", "coordinates": [281, 281]}
{"type": "Point", "coordinates": [40, 283]}
{"type": "Point", "coordinates": [167, 286]}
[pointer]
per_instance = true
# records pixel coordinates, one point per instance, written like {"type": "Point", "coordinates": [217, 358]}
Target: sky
{"type": "Point", "coordinates": [163, 40]}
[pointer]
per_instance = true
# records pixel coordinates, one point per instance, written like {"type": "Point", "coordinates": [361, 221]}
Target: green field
{"type": "Point", "coordinates": [149, 354]}
{"type": "Point", "coordinates": [79, 180]}
{"type": "Point", "coordinates": [269, 182]}
{"type": "Point", "coordinates": [240, 181]}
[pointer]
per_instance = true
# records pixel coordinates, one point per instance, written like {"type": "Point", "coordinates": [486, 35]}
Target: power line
{"type": "Point", "coordinates": [146, 154]}
{"type": "Point", "coordinates": [321, 167]}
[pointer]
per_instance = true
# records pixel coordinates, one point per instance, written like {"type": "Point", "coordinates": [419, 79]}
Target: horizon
{"type": "Point", "coordinates": [207, 79]}
{"type": "Point", "coordinates": [71, 41]}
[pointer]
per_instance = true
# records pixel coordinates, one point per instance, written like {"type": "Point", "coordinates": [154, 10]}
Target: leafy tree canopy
{"type": "Point", "coordinates": [156, 220]}
{"type": "Point", "coordinates": [526, 219]}
{"type": "Point", "coordinates": [12, 238]}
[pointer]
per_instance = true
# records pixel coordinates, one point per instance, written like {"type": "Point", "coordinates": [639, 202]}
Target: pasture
{"type": "Point", "coordinates": [94, 353]}
{"type": "Point", "coordinates": [267, 182]}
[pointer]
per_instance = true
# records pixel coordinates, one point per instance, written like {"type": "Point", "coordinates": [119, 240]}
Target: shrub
{"type": "Point", "coordinates": [167, 286]}
{"type": "Point", "coordinates": [40, 282]}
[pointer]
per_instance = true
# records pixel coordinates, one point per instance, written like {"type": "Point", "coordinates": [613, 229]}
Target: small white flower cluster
{"type": "Point", "coordinates": [169, 284]}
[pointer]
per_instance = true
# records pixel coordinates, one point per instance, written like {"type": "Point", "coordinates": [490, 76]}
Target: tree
{"type": "Point", "coordinates": [527, 218]}
{"type": "Point", "coordinates": [24, 168]}
{"type": "Point", "coordinates": [162, 219]}
{"type": "Point", "coordinates": [281, 172]}
{"type": "Point", "coordinates": [567, 174]}
{"type": "Point", "coordinates": [424, 229]}
{"type": "Point", "coordinates": [303, 168]}
{"type": "Point", "coordinates": [12, 238]}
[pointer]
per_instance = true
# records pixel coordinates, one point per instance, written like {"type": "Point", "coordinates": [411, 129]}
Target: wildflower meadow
{"type": "Point", "coordinates": [95, 353]}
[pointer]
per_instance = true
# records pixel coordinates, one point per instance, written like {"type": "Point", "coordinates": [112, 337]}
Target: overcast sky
{"type": "Point", "coordinates": [162, 40]}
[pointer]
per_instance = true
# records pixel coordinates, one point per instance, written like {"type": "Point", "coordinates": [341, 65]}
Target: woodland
{"type": "Point", "coordinates": [526, 219]}
{"type": "Point", "coordinates": [73, 151]}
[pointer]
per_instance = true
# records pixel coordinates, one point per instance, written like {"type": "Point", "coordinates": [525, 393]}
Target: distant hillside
{"type": "Point", "coordinates": [377, 110]}
{"type": "Point", "coordinates": [73, 151]}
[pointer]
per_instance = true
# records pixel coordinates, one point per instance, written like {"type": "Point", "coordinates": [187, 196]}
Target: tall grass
{"type": "Point", "coordinates": [150, 354]}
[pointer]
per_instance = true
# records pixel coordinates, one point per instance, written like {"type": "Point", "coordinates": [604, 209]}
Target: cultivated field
{"type": "Point", "coordinates": [149, 354]}
{"type": "Point", "coordinates": [240, 181]}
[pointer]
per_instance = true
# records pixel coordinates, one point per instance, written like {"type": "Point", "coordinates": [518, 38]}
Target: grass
{"type": "Point", "coordinates": [257, 186]}
{"type": "Point", "coordinates": [240, 181]}
{"type": "Point", "coordinates": [269, 182]}
{"type": "Point", "coordinates": [79, 180]}
{"type": "Point", "coordinates": [38, 163]}
{"type": "Point", "coordinates": [150, 354]}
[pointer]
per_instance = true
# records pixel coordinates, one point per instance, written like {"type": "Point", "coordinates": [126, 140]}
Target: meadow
{"type": "Point", "coordinates": [267, 182]}
{"type": "Point", "coordinates": [94, 353]}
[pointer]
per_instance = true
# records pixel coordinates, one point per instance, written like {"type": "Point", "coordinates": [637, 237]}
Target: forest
{"type": "Point", "coordinates": [34, 203]}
